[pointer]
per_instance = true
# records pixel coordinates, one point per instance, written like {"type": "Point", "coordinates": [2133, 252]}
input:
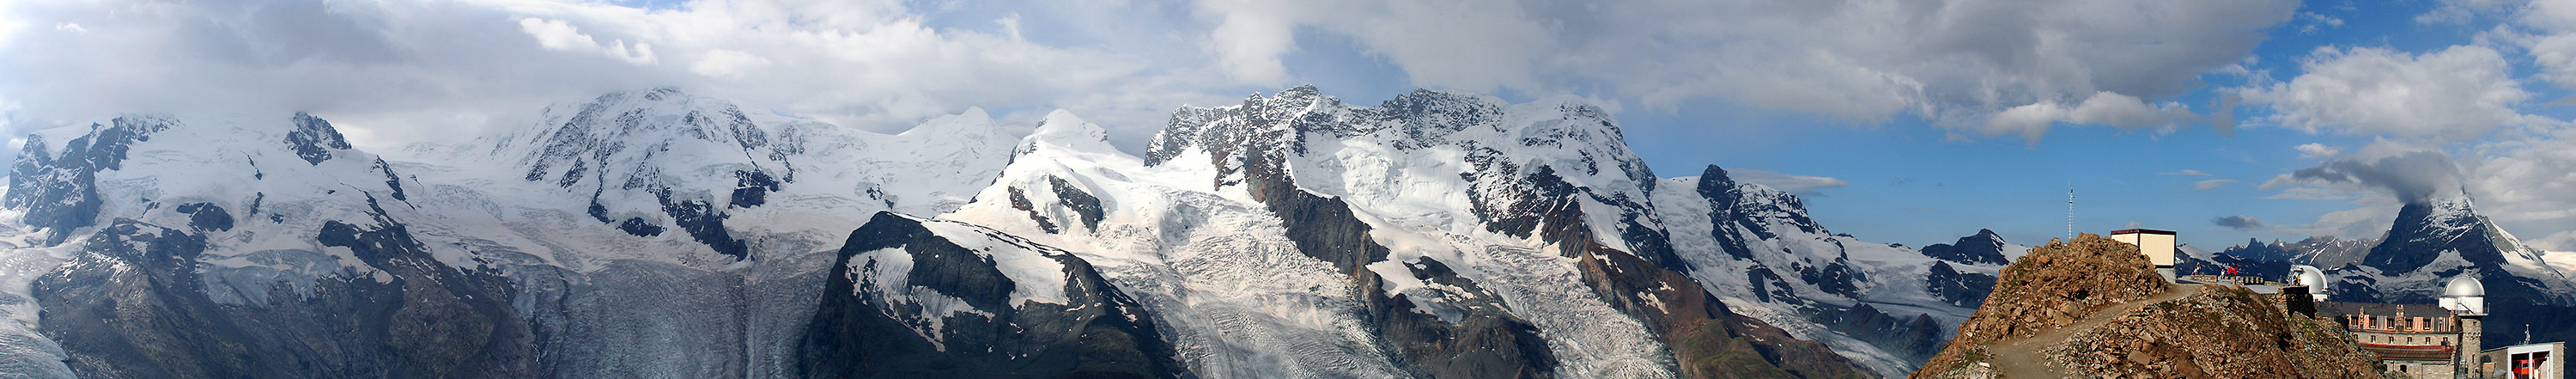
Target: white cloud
{"type": "Point", "coordinates": [2318, 151]}
{"type": "Point", "coordinates": [2211, 184]}
{"type": "Point", "coordinates": [399, 72]}
{"type": "Point", "coordinates": [2314, 21]}
{"type": "Point", "coordinates": [2544, 29]}
{"type": "Point", "coordinates": [1470, 45]}
{"type": "Point", "coordinates": [2185, 172]}
{"type": "Point", "coordinates": [2562, 241]}
{"type": "Point", "coordinates": [1795, 184]}
{"type": "Point", "coordinates": [2457, 93]}
{"type": "Point", "coordinates": [413, 70]}
{"type": "Point", "coordinates": [70, 27]}
{"type": "Point", "coordinates": [2462, 11]}
{"type": "Point", "coordinates": [1963, 63]}
{"type": "Point", "coordinates": [2103, 108]}
{"type": "Point", "coordinates": [560, 36]}
{"type": "Point", "coordinates": [727, 63]}
{"type": "Point", "coordinates": [2527, 179]}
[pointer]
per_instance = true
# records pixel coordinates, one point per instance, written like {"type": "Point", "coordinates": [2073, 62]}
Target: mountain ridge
{"type": "Point", "coordinates": [1438, 234]}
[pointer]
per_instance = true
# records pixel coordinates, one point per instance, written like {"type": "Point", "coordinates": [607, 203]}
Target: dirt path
{"type": "Point", "coordinates": [2020, 359]}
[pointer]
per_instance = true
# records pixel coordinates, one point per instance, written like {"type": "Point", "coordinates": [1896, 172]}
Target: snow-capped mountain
{"type": "Point", "coordinates": [661, 234]}
{"type": "Point", "coordinates": [155, 247]}
{"type": "Point", "coordinates": [2444, 237]}
{"type": "Point", "coordinates": [1884, 305]}
{"type": "Point", "coordinates": [2430, 242]}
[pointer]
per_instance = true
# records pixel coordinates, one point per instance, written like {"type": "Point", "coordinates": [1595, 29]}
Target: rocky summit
{"type": "Point", "coordinates": [2096, 308]}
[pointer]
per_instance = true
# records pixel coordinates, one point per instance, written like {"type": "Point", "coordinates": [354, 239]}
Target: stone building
{"type": "Point", "coordinates": [2424, 341]}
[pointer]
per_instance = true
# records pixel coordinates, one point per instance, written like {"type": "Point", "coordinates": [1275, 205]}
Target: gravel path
{"type": "Point", "coordinates": [2020, 359]}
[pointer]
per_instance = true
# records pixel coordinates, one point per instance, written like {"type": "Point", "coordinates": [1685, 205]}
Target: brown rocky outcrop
{"type": "Point", "coordinates": [2095, 308]}
{"type": "Point", "coordinates": [2214, 332]}
{"type": "Point", "coordinates": [2058, 284]}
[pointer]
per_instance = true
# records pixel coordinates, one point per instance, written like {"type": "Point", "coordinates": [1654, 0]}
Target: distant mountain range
{"type": "Point", "coordinates": [2429, 242]}
{"type": "Point", "coordinates": [662, 234]}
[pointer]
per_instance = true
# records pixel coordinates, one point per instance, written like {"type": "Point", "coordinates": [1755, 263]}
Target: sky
{"type": "Point", "coordinates": [1900, 121]}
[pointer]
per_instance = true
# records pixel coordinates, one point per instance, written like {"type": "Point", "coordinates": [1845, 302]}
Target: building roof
{"type": "Point", "coordinates": [2340, 309]}
{"type": "Point", "coordinates": [2142, 231]}
{"type": "Point", "coordinates": [2409, 352]}
{"type": "Point", "coordinates": [2543, 346]}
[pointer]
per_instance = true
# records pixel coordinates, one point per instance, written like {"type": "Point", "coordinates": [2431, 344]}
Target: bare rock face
{"type": "Point", "coordinates": [2215, 332]}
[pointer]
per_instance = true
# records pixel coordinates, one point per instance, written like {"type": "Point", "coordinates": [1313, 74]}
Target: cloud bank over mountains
{"type": "Point", "coordinates": [402, 71]}
{"type": "Point", "coordinates": [395, 72]}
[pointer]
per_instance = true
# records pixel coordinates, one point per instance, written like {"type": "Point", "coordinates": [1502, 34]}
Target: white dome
{"type": "Point", "coordinates": [2310, 276]}
{"type": "Point", "coordinates": [2464, 286]}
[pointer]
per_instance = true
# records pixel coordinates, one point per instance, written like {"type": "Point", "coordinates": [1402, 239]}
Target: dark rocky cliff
{"type": "Point", "coordinates": [862, 333]}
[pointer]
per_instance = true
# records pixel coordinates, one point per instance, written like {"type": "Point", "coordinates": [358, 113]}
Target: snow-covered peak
{"type": "Point", "coordinates": [1061, 129]}
{"type": "Point", "coordinates": [972, 124]}
{"type": "Point", "coordinates": [669, 165]}
{"type": "Point", "coordinates": [625, 137]}
{"type": "Point", "coordinates": [1757, 206]}
{"type": "Point", "coordinates": [264, 186]}
{"type": "Point", "coordinates": [1439, 160]}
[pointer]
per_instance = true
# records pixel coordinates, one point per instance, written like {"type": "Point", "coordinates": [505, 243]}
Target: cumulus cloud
{"type": "Point", "coordinates": [2239, 222]}
{"type": "Point", "coordinates": [1989, 66]}
{"type": "Point", "coordinates": [2529, 177]}
{"type": "Point", "coordinates": [1801, 185]}
{"type": "Point", "coordinates": [559, 36]}
{"type": "Point", "coordinates": [2212, 184]}
{"type": "Point", "coordinates": [2546, 30]}
{"type": "Point", "coordinates": [2457, 93]}
{"type": "Point", "coordinates": [2103, 108]}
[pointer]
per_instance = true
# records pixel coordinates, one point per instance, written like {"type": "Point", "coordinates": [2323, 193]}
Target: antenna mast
{"type": "Point", "coordinates": [2070, 213]}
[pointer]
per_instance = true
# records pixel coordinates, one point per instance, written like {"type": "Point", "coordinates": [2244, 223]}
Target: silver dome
{"type": "Point", "coordinates": [2464, 286]}
{"type": "Point", "coordinates": [2310, 276]}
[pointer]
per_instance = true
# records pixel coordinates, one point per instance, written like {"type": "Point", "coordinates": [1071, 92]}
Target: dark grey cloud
{"type": "Point", "coordinates": [2238, 222]}
{"type": "Point", "coordinates": [2413, 176]}
{"type": "Point", "coordinates": [2222, 117]}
